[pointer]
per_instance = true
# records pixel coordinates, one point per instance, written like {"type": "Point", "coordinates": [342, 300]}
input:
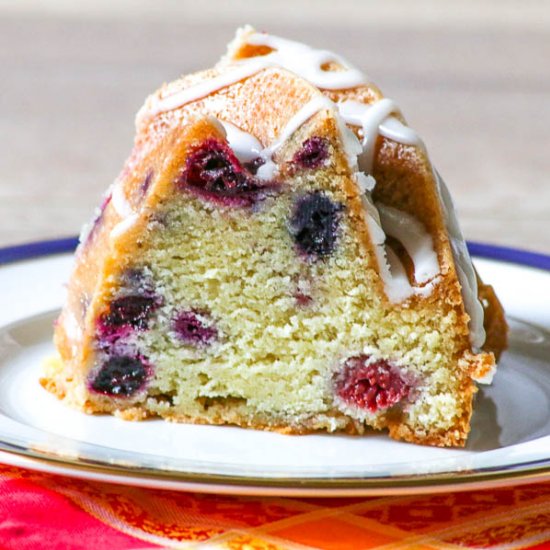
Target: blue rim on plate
{"type": "Point", "coordinates": [36, 249]}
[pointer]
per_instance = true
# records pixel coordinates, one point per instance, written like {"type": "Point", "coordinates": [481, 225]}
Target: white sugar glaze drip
{"type": "Point", "coordinates": [396, 279]}
{"type": "Point", "coordinates": [307, 62]}
{"type": "Point", "coordinates": [119, 202]}
{"type": "Point", "coordinates": [202, 89]}
{"type": "Point", "coordinates": [464, 267]}
{"type": "Point", "coordinates": [413, 236]}
{"type": "Point", "coordinates": [293, 56]}
{"type": "Point", "coordinates": [396, 283]}
{"type": "Point", "coordinates": [123, 208]}
{"type": "Point", "coordinates": [123, 226]}
{"type": "Point", "coordinates": [303, 115]}
{"type": "Point", "coordinates": [245, 146]}
{"type": "Point", "coordinates": [376, 119]}
{"type": "Point", "coordinates": [383, 219]}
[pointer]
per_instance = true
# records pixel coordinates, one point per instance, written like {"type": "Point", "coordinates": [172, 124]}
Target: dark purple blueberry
{"type": "Point", "coordinates": [121, 376]}
{"type": "Point", "coordinates": [313, 153]}
{"type": "Point", "coordinates": [314, 224]}
{"type": "Point", "coordinates": [213, 171]}
{"type": "Point", "coordinates": [253, 165]}
{"type": "Point", "coordinates": [124, 315]}
{"type": "Point", "coordinates": [192, 328]}
{"type": "Point", "coordinates": [371, 386]}
{"type": "Point", "coordinates": [133, 310]}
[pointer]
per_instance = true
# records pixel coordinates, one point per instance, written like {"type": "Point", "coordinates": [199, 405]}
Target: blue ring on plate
{"type": "Point", "coordinates": [37, 249]}
{"type": "Point", "coordinates": [507, 254]}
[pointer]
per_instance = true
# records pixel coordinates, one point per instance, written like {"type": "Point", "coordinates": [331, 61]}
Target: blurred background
{"type": "Point", "coordinates": [472, 77]}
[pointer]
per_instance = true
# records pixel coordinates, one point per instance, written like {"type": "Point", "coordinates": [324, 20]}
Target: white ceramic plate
{"type": "Point", "coordinates": [509, 443]}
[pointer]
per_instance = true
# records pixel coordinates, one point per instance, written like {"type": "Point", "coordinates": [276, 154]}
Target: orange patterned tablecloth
{"type": "Point", "coordinates": [58, 513]}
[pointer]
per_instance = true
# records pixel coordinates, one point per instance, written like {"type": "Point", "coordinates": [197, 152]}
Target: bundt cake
{"type": "Point", "coordinates": [278, 253]}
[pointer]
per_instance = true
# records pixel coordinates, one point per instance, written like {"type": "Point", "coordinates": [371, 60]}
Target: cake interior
{"type": "Point", "coordinates": [251, 320]}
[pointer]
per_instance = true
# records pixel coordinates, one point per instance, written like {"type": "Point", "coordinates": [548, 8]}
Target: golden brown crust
{"type": "Point", "coordinates": [51, 385]}
{"type": "Point", "coordinates": [494, 323]}
{"type": "Point", "coordinates": [227, 415]}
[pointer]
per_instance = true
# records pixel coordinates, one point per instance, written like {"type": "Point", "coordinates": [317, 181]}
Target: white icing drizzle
{"type": "Point", "coordinates": [376, 119]}
{"type": "Point", "coordinates": [293, 56]}
{"type": "Point", "coordinates": [308, 62]}
{"type": "Point", "coordinates": [267, 171]}
{"type": "Point", "coordinates": [245, 146]}
{"type": "Point", "coordinates": [366, 183]}
{"type": "Point", "coordinates": [123, 226]}
{"type": "Point", "coordinates": [397, 282]}
{"type": "Point", "coordinates": [304, 114]}
{"type": "Point", "coordinates": [352, 149]}
{"type": "Point", "coordinates": [413, 236]}
{"type": "Point", "coordinates": [123, 208]}
{"type": "Point", "coordinates": [382, 219]}
{"type": "Point", "coordinates": [464, 267]}
{"type": "Point", "coordinates": [394, 129]}
{"type": "Point", "coordinates": [119, 202]}
{"type": "Point", "coordinates": [157, 105]}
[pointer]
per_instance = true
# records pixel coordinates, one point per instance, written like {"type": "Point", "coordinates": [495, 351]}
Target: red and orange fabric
{"type": "Point", "coordinates": [58, 513]}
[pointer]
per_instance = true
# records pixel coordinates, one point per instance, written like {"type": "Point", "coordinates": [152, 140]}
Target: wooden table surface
{"type": "Point", "coordinates": [472, 77]}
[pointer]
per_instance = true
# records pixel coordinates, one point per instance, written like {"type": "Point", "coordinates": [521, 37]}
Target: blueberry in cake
{"type": "Point", "coordinates": [278, 253]}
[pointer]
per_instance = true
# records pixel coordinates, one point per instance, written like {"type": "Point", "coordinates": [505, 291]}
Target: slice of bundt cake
{"type": "Point", "coordinates": [261, 263]}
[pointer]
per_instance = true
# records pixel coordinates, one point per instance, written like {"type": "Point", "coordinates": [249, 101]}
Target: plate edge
{"type": "Point", "coordinates": [44, 248]}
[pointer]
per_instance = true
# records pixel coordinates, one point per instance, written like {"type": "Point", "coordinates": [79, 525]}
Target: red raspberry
{"type": "Point", "coordinates": [373, 386]}
{"type": "Point", "coordinates": [213, 171]}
